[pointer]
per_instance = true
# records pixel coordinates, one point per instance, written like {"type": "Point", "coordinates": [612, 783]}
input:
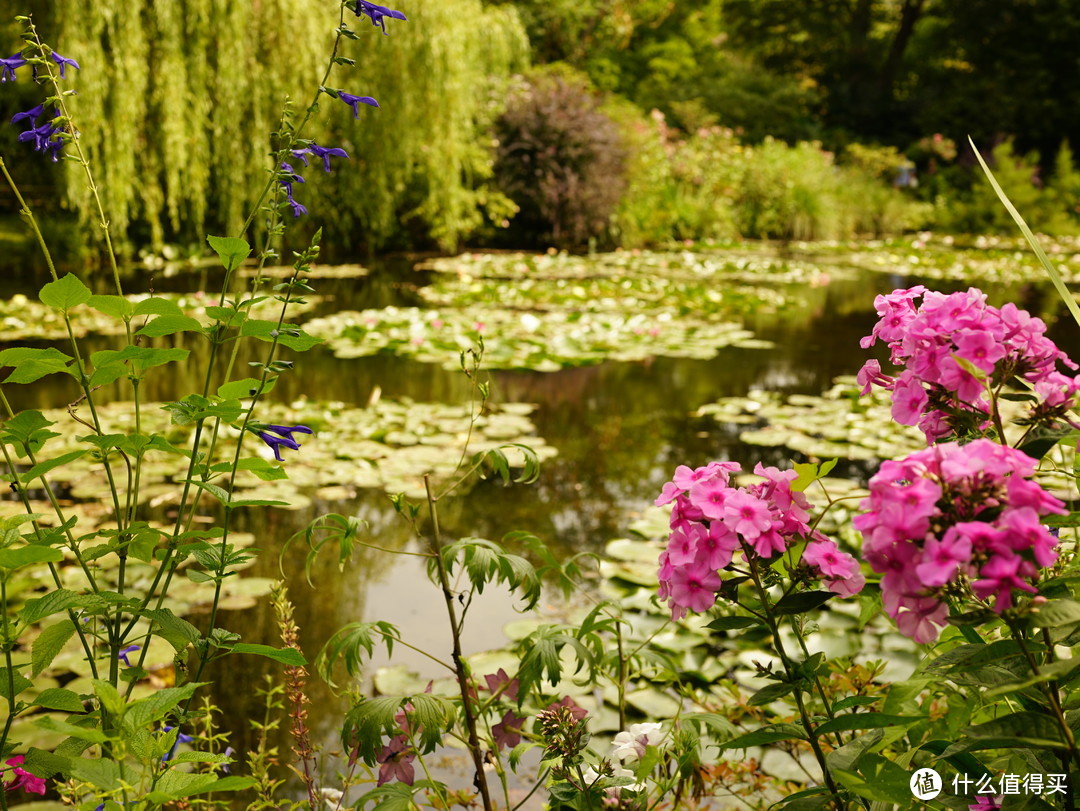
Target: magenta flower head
{"type": "Point", "coordinates": [955, 515]}
{"type": "Point", "coordinates": [712, 521]}
{"type": "Point", "coordinates": [952, 348]}
{"type": "Point", "coordinates": [283, 438]}
{"type": "Point", "coordinates": [356, 101]}
{"type": "Point", "coordinates": [63, 62]}
{"type": "Point", "coordinates": [9, 66]}
{"type": "Point", "coordinates": [376, 13]}
{"type": "Point", "coordinates": [22, 779]}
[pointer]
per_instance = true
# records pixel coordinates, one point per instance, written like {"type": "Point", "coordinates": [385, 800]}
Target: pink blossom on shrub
{"type": "Point", "coordinates": [950, 346]}
{"type": "Point", "coordinates": [711, 521]}
{"type": "Point", "coordinates": [955, 514]}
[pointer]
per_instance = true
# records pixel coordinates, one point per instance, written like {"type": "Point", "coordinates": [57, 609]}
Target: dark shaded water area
{"type": "Point", "coordinates": [620, 430]}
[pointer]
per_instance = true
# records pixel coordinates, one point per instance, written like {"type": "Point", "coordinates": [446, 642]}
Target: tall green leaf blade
{"type": "Point", "coordinates": [49, 644]}
{"type": "Point", "coordinates": [1055, 276]}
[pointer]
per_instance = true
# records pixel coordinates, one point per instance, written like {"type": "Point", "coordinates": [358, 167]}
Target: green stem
{"type": "Point", "coordinates": [459, 663]}
{"type": "Point", "coordinates": [789, 669]}
{"type": "Point", "coordinates": [1050, 689]}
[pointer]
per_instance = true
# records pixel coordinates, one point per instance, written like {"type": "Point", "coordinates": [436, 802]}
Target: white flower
{"type": "Point", "coordinates": [631, 745]}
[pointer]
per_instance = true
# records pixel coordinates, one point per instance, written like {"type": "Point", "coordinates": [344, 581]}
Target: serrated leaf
{"type": "Point", "coordinates": [49, 643]}
{"type": "Point", "coordinates": [770, 734]}
{"type": "Point", "coordinates": [41, 468]}
{"type": "Point", "coordinates": [732, 623]}
{"type": "Point", "coordinates": [20, 681]}
{"type": "Point", "coordinates": [64, 293]}
{"type": "Point", "coordinates": [239, 389]}
{"type": "Point", "coordinates": [231, 250]}
{"type": "Point", "coordinates": [261, 329]}
{"type": "Point", "coordinates": [57, 698]}
{"type": "Point", "coordinates": [33, 364]}
{"type": "Point", "coordinates": [158, 306]}
{"type": "Point", "coordinates": [52, 603]}
{"type": "Point", "coordinates": [28, 555]}
{"type": "Point", "coordinates": [169, 325]}
{"type": "Point", "coordinates": [114, 306]}
{"type": "Point", "coordinates": [769, 693]}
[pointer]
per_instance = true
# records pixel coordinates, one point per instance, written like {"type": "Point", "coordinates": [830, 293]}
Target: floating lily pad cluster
{"type": "Point", "coordinates": [544, 341]}
{"type": "Point", "coordinates": [390, 445]}
{"type": "Point", "coordinates": [22, 318]}
{"type": "Point", "coordinates": [837, 424]}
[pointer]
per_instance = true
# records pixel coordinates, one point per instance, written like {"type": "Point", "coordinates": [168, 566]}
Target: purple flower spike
{"type": "Point", "coordinates": [284, 432]}
{"type": "Point", "coordinates": [356, 101]}
{"type": "Point", "coordinates": [44, 138]}
{"type": "Point", "coordinates": [9, 66]}
{"type": "Point", "coordinates": [377, 13]}
{"type": "Point", "coordinates": [123, 653]}
{"type": "Point", "coordinates": [63, 62]}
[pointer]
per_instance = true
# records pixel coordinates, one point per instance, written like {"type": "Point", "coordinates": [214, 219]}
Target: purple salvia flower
{"type": "Point", "coordinates": [377, 13]}
{"type": "Point", "coordinates": [325, 152]}
{"type": "Point", "coordinates": [9, 66]}
{"type": "Point", "coordinates": [63, 62]}
{"type": "Point", "coordinates": [45, 138]}
{"type": "Point", "coordinates": [302, 154]}
{"type": "Point", "coordinates": [356, 101]}
{"type": "Point", "coordinates": [284, 433]}
{"type": "Point", "coordinates": [30, 115]}
{"type": "Point", "coordinates": [123, 653]}
{"type": "Point", "coordinates": [297, 210]}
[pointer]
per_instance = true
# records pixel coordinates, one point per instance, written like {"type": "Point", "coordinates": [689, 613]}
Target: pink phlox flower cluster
{"type": "Point", "coordinates": [938, 340]}
{"type": "Point", "coordinates": [953, 513]}
{"type": "Point", "coordinates": [711, 521]}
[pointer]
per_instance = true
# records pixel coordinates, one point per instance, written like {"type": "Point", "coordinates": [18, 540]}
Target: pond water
{"type": "Point", "coordinates": [620, 430]}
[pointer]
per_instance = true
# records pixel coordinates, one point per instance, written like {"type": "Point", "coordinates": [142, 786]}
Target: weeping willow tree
{"type": "Point", "coordinates": [177, 100]}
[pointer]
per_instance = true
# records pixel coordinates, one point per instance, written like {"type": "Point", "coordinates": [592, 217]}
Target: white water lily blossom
{"type": "Point", "coordinates": [630, 745]}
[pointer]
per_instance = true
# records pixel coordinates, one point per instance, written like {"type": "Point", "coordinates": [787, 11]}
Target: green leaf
{"type": "Point", "coordinates": [258, 328]}
{"type": "Point", "coordinates": [154, 708]}
{"type": "Point", "coordinates": [263, 469]}
{"type": "Point", "coordinates": [1055, 614]}
{"type": "Point", "coordinates": [115, 306]}
{"type": "Point", "coordinates": [28, 555]}
{"type": "Point", "coordinates": [103, 774]}
{"type": "Point", "coordinates": [801, 602]}
{"type": "Point", "coordinates": [239, 389]}
{"type": "Point", "coordinates": [878, 779]}
{"type": "Point", "coordinates": [41, 468]}
{"type": "Point", "coordinates": [28, 428]}
{"type": "Point", "coordinates": [770, 693]}
{"type": "Point", "coordinates": [733, 623]}
{"type": "Point", "coordinates": [56, 698]}
{"type": "Point", "coordinates": [867, 720]}
{"type": "Point", "coordinates": [20, 681]}
{"type": "Point", "coordinates": [52, 603]}
{"type": "Point", "coordinates": [1017, 730]}
{"type": "Point", "coordinates": [170, 324]}
{"type": "Point", "coordinates": [90, 734]}
{"type": "Point", "coordinates": [110, 365]}
{"type": "Point", "coordinates": [49, 644]}
{"type": "Point", "coordinates": [158, 306]}
{"type": "Point", "coordinates": [769, 734]}
{"type": "Point", "coordinates": [287, 656]}
{"type": "Point", "coordinates": [110, 697]}
{"type": "Point", "coordinates": [1055, 277]}
{"type": "Point", "coordinates": [65, 293]}
{"type": "Point", "coordinates": [231, 250]}
{"type": "Point", "coordinates": [34, 364]}
{"type": "Point", "coordinates": [176, 631]}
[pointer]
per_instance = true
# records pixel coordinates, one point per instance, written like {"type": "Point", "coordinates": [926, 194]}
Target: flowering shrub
{"type": "Point", "coordinates": [955, 521]}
